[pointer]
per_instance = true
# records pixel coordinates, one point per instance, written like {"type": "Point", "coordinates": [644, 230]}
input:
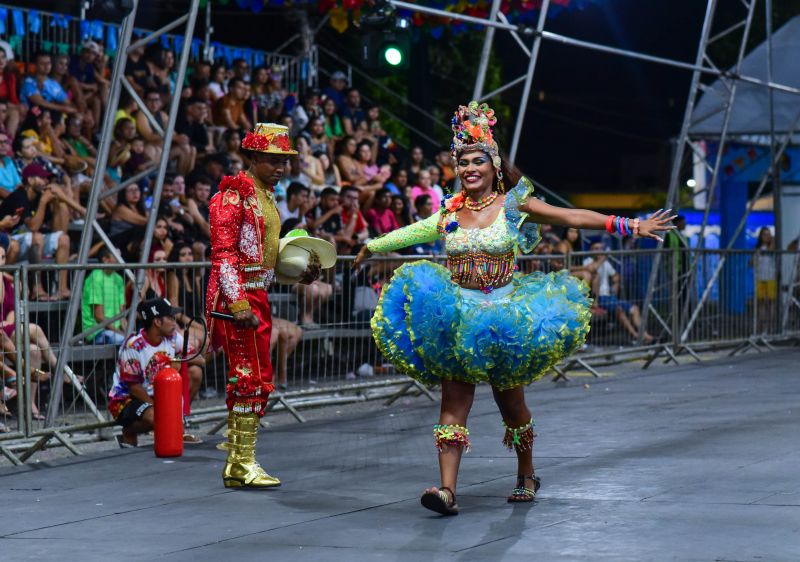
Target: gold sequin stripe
{"type": "Point", "coordinates": [519, 438]}
{"type": "Point", "coordinates": [489, 270]}
{"type": "Point", "coordinates": [451, 436]}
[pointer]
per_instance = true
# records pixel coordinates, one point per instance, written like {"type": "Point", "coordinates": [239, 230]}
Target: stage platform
{"type": "Point", "coordinates": [697, 462]}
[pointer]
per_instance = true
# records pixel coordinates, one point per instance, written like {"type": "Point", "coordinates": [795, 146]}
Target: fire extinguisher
{"type": "Point", "coordinates": [168, 414]}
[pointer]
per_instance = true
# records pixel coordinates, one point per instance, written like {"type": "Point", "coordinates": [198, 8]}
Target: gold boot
{"type": "Point", "coordinates": [241, 468]}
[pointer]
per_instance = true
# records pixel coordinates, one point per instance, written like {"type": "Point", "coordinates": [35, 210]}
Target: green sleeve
{"type": "Point", "coordinates": [422, 232]}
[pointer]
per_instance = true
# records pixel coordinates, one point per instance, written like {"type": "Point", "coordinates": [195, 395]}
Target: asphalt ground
{"type": "Point", "coordinates": [696, 462]}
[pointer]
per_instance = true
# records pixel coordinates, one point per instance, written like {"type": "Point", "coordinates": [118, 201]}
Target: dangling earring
{"type": "Point", "coordinates": [501, 186]}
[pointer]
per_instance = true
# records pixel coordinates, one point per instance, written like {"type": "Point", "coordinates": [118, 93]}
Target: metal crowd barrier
{"type": "Point", "coordinates": [323, 352]}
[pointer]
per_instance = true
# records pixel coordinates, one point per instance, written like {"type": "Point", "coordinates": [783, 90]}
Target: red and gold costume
{"type": "Point", "coordinates": [245, 229]}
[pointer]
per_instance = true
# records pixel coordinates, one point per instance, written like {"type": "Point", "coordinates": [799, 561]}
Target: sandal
{"type": "Point", "coordinates": [521, 494]}
{"type": "Point", "coordinates": [441, 502]}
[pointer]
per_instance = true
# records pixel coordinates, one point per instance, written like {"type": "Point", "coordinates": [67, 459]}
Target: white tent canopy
{"type": "Point", "coordinates": [750, 115]}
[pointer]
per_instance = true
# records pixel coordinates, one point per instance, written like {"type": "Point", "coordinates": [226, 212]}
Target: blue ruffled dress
{"type": "Point", "coordinates": [431, 328]}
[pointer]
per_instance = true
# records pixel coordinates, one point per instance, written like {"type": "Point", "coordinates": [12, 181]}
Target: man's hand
{"type": "Point", "coordinates": [9, 221]}
{"type": "Point", "coordinates": [246, 319]}
{"type": "Point", "coordinates": [47, 196]}
{"type": "Point", "coordinates": [313, 270]}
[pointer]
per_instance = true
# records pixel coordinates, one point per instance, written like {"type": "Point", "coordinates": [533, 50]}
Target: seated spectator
{"type": "Point", "coordinates": [9, 176]}
{"type": "Point", "coordinates": [313, 296]}
{"type": "Point", "coordinates": [217, 84]}
{"type": "Point", "coordinates": [161, 240]}
{"type": "Point", "coordinates": [103, 297]}
{"type": "Point", "coordinates": [228, 111]}
{"type": "Point", "coordinates": [295, 206]}
{"type": "Point", "coordinates": [120, 151]}
{"type": "Point", "coordinates": [173, 208]}
{"type": "Point", "coordinates": [199, 192]}
{"type": "Point", "coordinates": [335, 91]}
{"type": "Point", "coordinates": [80, 145]}
{"type": "Point", "coordinates": [194, 125]}
{"type": "Point", "coordinates": [214, 166]}
{"type": "Point", "coordinates": [303, 113]}
{"type": "Point", "coordinates": [231, 145]}
{"type": "Point", "coordinates": [326, 218]}
{"type": "Point", "coordinates": [351, 169]}
{"type": "Point", "coordinates": [40, 350]}
{"type": "Point", "coordinates": [380, 217]}
{"type": "Point", "coordinates": [155, 279]}
{"type": "Point", "coordinates": [351, 112]}
{"type": "Point", "coordinates": [424, 206]}
{"type": "Point", "coordinates": [38, 125]}
{"type": "Point", "coordinates": [31, 202]}
{"type": "Point", "coordinates": [60, 73]}
{"type": "Point", "coordinates": [401, 210]}
{"type": "Point", "coordinates": [93, 86]}
{"type": "Point", "coordinates": [285, 337]}
{"type": "Point", "coordinates": [8, 96]}
{"type": "Point", "coordinates": [415, 164]}
{"type": "Point", "coordinates": [143, 355]}
{"type": "Point", "coordinates": [152, 75]}
{"type": "Point", "coordinates": [43, 91]}
{"type": "Point", "coordinates": [332, 176]}
{"type": "Point", "coordinates": [333, 123]}
{"type": "Point", "coordinates": [128, 220]}
{"type": "Point", "coordinates": [373, 174]}
{"type": "Point", "coordinates": [399, 183]}
{"type": "Point", "coordinates": [266, 103]}
{"type": "Point", "coordinates": [317, 138]}
{"type": "Point", "coordinates": [436, 177]}
{"type": "Point", "coordinates": [310, 166]}
{"type": "Point", "coordinates": [138, 161]}
{"type": "Point", "coordinates": [569, 244]}
{"type": "Point", "coordinates": [424, 187]}
{"type": "Point", "coordinates": [606, 288]}
{"type": "Point", "coordinates": [240, 69]}
{"type": "Point", "coordinates": [181, 150]}
{"type": "Point", "coordinates": [26, 152]}
{"type": "Point", "coordinates": [185, 289]}
{"type": "Point", "coordinates": [354, 226]}
{"type": "Point", "coordinates": [444, 159]}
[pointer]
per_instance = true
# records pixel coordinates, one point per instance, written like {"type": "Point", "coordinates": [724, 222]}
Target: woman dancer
{"type": "Point", "coordinates": [476, 320]}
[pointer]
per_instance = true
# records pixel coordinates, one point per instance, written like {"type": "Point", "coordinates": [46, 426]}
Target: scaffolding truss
{"type": "Point", "coordinates": [186, 24]}
{"type": "Point", "coordinates": [704, 65]}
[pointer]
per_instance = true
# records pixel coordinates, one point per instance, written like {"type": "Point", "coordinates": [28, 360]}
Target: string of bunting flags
{"type": "Point", "coordinates": [343, 12]}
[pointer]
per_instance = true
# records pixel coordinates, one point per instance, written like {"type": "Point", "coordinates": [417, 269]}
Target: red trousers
{"type": "Point", "coordinates": [247, 351]}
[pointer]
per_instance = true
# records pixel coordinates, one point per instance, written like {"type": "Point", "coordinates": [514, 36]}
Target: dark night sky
{"type": "Point", "coordinates": [596, 122]}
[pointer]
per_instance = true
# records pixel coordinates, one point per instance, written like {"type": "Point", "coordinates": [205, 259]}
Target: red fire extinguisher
{"type": "Point", "coordinates": [168, 414]}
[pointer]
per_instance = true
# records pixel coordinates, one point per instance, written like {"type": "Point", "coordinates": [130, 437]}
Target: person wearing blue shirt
{"type": "Point", "coordinates": [9, 175]}
{"type": "Point", "coordinates": [43, 91]}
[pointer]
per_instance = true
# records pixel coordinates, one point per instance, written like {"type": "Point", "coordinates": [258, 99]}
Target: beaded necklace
{"type": "Point", "coordinates": [482, 204]}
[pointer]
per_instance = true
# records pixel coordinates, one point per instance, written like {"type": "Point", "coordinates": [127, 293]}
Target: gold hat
{"type": "Point", "coordinates": [270, 138]}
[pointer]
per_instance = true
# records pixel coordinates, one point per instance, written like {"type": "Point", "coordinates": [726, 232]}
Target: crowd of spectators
{"type": "Point", "coordinates": [348, 183]}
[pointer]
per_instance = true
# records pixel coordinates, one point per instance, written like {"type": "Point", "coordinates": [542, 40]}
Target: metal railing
{"type": "Point", "coordinates": [322, 349]}
{"type": "Point", "coordinates": [62, 34]}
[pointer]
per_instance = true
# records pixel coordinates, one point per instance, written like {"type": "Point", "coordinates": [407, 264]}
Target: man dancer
{"type": "Point", "coordinates": [245, 227]}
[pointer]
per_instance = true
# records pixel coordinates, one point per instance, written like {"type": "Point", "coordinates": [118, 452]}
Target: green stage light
{"type": "Point", "coordinates": [393, 55]}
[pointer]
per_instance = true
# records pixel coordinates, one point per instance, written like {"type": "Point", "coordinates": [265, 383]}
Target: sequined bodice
{"type": "Point", "coordinates": [493, 240]}
{"type": "Point", "coordinates": [482, 256]}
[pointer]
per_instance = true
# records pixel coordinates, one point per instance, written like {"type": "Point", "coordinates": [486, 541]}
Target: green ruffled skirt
{"type": "Point", "coordinates": [432, 329]}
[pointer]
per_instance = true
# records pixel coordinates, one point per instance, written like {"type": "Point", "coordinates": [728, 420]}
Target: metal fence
{"type": "Point", "coordinates": [30, 31]}
{"type": "Point", "coordinates": [322, 348]}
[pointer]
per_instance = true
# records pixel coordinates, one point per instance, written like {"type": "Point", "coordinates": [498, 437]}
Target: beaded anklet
{"type": "Point", "coordinates": [519, 438]}
{"type": "Point", "coordinates": [451, 436]}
